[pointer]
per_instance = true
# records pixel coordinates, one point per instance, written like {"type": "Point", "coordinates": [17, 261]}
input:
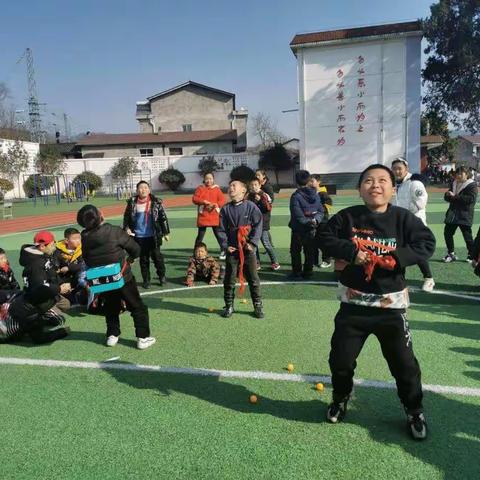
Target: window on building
{"type": "Point", "coordinates": [175, 150]}
{"type": "Point", "coordinates": [146, 152]}
{"type": "Point", "coordinates": [187, 127]}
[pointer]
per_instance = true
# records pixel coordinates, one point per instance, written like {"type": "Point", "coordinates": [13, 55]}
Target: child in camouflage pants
{"type": "Point", "coordinates": [202, 267]}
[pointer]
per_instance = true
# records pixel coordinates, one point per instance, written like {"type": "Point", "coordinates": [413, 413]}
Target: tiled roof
{"type": "Point", "coordinates": [163, 137]}
{"type": "Point", "coordinates": [427, 139]}
{"type": "Point", "coordinates": [471, 138]}
{"type": "Point", "coordinates": [349, 33]}
{"type": "Point", "coordinates": [190, 83]}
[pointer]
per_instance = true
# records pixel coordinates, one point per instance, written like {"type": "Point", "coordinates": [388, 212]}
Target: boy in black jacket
{"type": "Point", "coordinates": [104, 244]}
{"type": "Point", "coordinates": [7, 277]}
{"type": "Point", "coordinates": [306, 214]}
{"type": "Point", "coordinates": [145, 219]}
{"type": "Point", "coordinates": [378, 241]}
{"type": "Point", "coordinates": [239, 232]}
{"type": "Point", "coordinates": [40, 268]}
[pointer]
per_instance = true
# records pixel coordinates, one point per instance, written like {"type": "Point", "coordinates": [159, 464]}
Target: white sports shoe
{"type": "Point", "coordinates": [428, 285]}
{"type": "Point", "coordinates": [144, 343]}
{"type": "Point", "coordinates": [325, 264]}
{"type": "Point", "coordinates": [112, 340]}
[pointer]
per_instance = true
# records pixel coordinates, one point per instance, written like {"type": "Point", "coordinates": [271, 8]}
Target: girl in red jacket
{"type": "Point", "coordinates": [209, 199]}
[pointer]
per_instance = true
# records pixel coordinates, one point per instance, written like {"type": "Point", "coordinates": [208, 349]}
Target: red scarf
{"type": "Point", "coordinates": [242, 235]}
{"type": "Point", "coordinates": [147, 207]}
{"type": "Point", "coordinates": [383, 261]}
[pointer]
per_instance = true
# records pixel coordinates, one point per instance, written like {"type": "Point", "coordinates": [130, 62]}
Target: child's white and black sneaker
{"type": "Point", "coordinates": [336, 411]}
{"type": "Point", "coordinates": [227, 311]}
{"type": "Point", "coordinates": [417, 425]}
{"type": "Point", "coordinates": [450, 257]}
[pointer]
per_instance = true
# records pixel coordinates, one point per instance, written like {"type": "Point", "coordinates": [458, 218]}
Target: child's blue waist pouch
{"type": "Point", "coordinates": [105, 278]}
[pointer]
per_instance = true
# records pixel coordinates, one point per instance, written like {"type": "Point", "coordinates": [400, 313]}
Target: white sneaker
{"type": "Point", "coordinates": [428, 285]}
{"type": "Point", "coordinates": [325, 264]}
{"type": "Point", "coordinates": [112, 340]}
{"type": "Point", "coordinates": [144, 343]}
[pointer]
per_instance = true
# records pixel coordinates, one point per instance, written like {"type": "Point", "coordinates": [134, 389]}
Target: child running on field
{"type": "Point", "coordinates": [264, 204]}
{"type": "Point", "coordinates": [377, 240]}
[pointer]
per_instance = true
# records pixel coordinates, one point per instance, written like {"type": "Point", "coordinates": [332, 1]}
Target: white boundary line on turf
{"type": "Point", "coordinates": [207, 372]}
{"type": "Point", "coordinates": [306, 282]}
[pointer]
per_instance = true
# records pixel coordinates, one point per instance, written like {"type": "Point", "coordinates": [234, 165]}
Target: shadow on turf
{"type": "Point", "coordinates": [473, 352]}
{"type": "Point", "coordinates": [454, 425]}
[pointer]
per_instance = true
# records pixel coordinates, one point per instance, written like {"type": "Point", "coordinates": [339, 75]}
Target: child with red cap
{"type": "Point", "coordinates": [40, 269]}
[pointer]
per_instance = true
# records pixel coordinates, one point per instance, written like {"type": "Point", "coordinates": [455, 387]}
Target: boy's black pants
{"type": "Point", "coordinates": [297, 243]}
{"type": "Point", "coordinates": [353, 324]}
{"type": "Point", "coordinates": [251, 275]}
{"type": "Point", "coordinates": [136, 307]}
{"type": "Point", "coordinates": [148, 249]}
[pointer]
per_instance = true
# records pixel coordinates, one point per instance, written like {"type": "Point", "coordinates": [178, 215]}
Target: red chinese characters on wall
{"type": "Point", "coordinates": [341, 118]}
{"type": "Point", "coordinates": [360, 114]}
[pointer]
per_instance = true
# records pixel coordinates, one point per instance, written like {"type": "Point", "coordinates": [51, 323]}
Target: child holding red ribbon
{"type": "Point", "coordinates": [377, 240]}
{"type": "Point", "coordinates": [239, 232]}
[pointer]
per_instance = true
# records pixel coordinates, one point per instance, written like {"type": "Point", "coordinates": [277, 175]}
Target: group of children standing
{"type": "Point", "coordinates": [375, 241]}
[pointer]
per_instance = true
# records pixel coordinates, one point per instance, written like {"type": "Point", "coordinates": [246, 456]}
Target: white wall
{"type": "Point", "coordinates": [152, 166]}
{"type": "Point", "coordinates": [385, 91]}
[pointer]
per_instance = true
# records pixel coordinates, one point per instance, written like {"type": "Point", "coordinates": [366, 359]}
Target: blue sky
{"type": "Point", "coordinates": [95, 58]}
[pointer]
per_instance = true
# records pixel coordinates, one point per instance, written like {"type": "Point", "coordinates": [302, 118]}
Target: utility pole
{"type": "Point", "coordinates": [33, 104]}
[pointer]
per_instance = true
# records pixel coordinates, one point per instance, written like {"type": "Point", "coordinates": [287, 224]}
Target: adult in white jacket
{"type": "Point", "coordinates": [412, 195]}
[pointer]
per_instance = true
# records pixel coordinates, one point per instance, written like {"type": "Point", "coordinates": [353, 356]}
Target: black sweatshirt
{"type": "Point", "coordinates": [407, 239]}
{"type": "Point", "coordinates": [108, 244]}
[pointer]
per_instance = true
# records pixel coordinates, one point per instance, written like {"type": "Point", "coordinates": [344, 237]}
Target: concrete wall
{"type": "Point", "coordinates": [200, 148]}
{"type": "Point", "coordinates": [377, 78]}
{"type": "Point", "coordinates": [203, 109]}
{"type": "Point", "coordinates": [151, 167]}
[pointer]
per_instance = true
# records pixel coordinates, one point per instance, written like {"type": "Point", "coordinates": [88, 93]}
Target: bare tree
{"type": "Point", "coordinates": [266, 130]}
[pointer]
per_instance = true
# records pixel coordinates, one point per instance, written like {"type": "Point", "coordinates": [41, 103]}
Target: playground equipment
{"type": "Point", "coordinates": [76, 190]}
{"type": "Point", "coordinates": [42, 187]}
{"type": "Point", "coordinates": [124, 192]}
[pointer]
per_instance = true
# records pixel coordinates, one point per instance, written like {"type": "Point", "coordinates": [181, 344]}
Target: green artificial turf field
{"type": "Point", "coordinates": [119, 420]}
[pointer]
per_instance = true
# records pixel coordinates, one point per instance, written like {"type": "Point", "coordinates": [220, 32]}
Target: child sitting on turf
{"type": "Point", "coordinates": [71, 267]}
{"type": "Point", "coordinates": [264, 203]}
{"type": "Point", "coordinates": [40, 268]}
{"type": "Point", "coordinates": [239, 232]}
{"type": "Point", "coordinates": [202, 267]}
{"type": "Point", "coordinates": [7, 277]}
{"type": "Point", "coordinates": [31, 313]}
{"type": "Point", "coordinates": [377, 240]}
